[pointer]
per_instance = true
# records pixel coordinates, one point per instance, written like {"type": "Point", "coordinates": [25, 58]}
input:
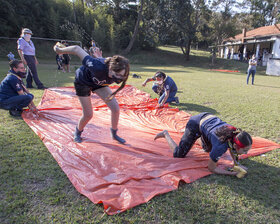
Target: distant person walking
{"type": "Point", "coordinates": [252, 69]}
{"type": "Point", "coordinates": [26, 51]}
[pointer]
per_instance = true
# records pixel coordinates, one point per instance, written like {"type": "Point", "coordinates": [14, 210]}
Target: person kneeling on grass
{"type": "Point", "coordinates": [165, 87]}
{"type": "Point", "coordinates": [94, 76]}
{"type": "Point", "coordinates": [14, 96]}
{"type": "Point", "coordinates": [216, 137]}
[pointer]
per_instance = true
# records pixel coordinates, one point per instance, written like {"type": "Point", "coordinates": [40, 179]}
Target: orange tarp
{"type": "Point", "coordinates": [121, 176]}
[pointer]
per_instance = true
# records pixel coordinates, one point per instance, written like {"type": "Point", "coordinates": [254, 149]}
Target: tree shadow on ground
{"type": "Point", "coordinates": [265, 190]}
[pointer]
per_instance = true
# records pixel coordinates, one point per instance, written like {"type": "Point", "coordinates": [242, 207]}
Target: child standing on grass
{"type": "Point", "coordinates": [94, 76]}
{"type": "Point", "coordinates": [216, 136]}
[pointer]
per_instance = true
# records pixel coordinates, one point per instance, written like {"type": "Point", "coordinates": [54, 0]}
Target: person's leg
{"type": "Point", "coordinates": [17, 102]}
{"type": "Point", "coordinates": [155, 88]}
{"type": "Point", "coordinates": [30, 60]}
{"type": "Point", "coordinates": [29, 79]}
{"type": "Point", "coordinates": [171, 97]}
{"type": "Point", "coordinates": [253, 76]}
{"type": "Point", "coordinates": [103, 93]}
{"type": "Point", "coordinates": [190, 136]}
{"type": "Point", "coordinates": [87, 115]}
{"type": "Point", "coordinates": [248, 75]}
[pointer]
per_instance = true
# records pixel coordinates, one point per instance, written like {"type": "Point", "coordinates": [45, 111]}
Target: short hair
{"type": "Point", "coordinates": [14, 63]}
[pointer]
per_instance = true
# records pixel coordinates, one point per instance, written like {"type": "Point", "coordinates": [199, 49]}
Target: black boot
{"type": "Point", "coordinates": [77, 136]}
{"type": "Point", "coordinates": [116, 137]}
{"type": "Point", "coordinates": [15, 112]}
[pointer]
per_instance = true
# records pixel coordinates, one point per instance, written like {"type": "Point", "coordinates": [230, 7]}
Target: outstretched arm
{"type": "Point", "coordinates": [75, 49]}
{"type": "Point", "coordinates": [147, 80]}
{"type": "Point", "coordinates": [212, 166]}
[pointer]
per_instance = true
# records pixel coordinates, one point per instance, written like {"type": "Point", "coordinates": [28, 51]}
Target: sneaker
{"type": "Point", "coordinates": [177, 100]}
{"type": "Point", "coordinates": [15, 112]}
{"type": "Point", "coordinates": [42, 87]}
{"type": "Point", "coordinates": [77, 136]}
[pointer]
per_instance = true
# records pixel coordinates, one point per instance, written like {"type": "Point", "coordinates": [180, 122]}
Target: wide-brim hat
{"type": "Point", "coordinates": [26, 30]}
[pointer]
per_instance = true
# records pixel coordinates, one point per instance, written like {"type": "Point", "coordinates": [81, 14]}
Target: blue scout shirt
{"type": "Point", "coordinates": [10, 86]}
{"type": "Point", "coordinates": [93, 72]}
{"type": "Point", "coordinates": [27, 48]}
{"type": "Point", "coordinates": [169, 84]}
{"type": "Point", "coordinates": [208, 129]}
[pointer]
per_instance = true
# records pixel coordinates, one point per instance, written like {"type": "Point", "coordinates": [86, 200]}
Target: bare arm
{"type": "Point", "coordinates": [147, 80]}
{"type": "Point", "coordinates": [165, 98]}
{"type": "Point", "coordinates": [75, 50]}
{"type": "Point", "coordinates": [21, 57]}
{"type": "Point", "coordinates": [212, 166]}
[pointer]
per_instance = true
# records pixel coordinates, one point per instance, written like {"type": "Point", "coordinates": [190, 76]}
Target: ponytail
{"type": "Point", "coordinates": [239, 137]}
{"type": "Point", "coordinates": [226, 132]}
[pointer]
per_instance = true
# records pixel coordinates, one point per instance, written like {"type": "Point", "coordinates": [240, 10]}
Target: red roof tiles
{"type": "Point", "coordinates": [261, 31]}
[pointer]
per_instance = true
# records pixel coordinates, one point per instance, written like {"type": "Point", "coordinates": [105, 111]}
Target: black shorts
{"type": "Point", "coordinates": [65, 59]}
{"type": "Point", "coordinates": [83, 89]}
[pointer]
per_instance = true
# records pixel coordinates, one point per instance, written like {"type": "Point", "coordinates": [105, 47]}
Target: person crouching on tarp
{"type": "Point", "coordinates": [216, 137]}
{"type": "Point", "coordinates": [14, 96]}
{"type": "Point", "coordinates": [165, 87]}
{"type": "Point", "coordinates": [94, 76]}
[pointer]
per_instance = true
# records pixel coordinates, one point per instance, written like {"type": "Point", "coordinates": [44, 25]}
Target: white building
{"type": "Point", "coordinates": [264, 42]}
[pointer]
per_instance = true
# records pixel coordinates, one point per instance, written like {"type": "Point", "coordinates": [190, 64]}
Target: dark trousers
{"type": "Point", "coordinates": [192, 133]}
{"type": "Point", "coordinates": [16, 102]}
{"type": "Point", "coordinates": [32, 72]}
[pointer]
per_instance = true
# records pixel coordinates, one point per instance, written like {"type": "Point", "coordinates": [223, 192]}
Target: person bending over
{"type": "Point", "coordinates": [216, 137]}
{"type": "Point", "coordinates": [94, 76]}
{"type": "Point", "coordinates": [164, 86]}
{"type": "Point", "coordinates": [14, 96]}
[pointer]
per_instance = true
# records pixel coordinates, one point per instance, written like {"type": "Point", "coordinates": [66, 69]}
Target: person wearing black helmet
{"type": "Point", "coordinates": [216, 137]}
{"type": "Point", "coordinates": [13, 94]}
{"type": "Point", "coordinates": [165, 87]}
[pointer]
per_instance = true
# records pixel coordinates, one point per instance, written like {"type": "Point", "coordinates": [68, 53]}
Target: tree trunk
{"type": "Point", "coordinates": [136, 28]}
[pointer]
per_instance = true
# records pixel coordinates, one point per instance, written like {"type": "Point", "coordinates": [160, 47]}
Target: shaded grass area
{"type": "Point", "coordinates": [35, 190]}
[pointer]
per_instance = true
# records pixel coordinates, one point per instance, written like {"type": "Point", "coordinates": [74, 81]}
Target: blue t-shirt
{"type": "Point", "coordinates": [169, 84]}
{"type": "Point", "coordinates": [27, 48]}
{"type": "Point", "coordinates": [93, 72]}
{"type": "Point", "coordinates": [208, 129]}
{"type": "Point", "coordinates": [10, 86]}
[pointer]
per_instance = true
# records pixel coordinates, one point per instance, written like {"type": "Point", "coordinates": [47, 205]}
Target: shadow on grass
{"type": "Point", "coordinates": [196, 107]}
{"type": "Point", "coordinates": [261, 183]}
{"type": "Point", "coordinates": [277, 87]}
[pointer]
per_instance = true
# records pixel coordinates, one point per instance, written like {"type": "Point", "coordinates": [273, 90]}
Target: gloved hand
{"type": "Point", "coordinates": [240, 171]}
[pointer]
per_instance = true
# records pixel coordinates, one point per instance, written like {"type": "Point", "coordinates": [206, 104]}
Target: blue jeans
{"type": "Point", "coordinates": [253, 72]}
{"type": "Point", "coordinates": [171, 97]}
{"type": "Point", "coordinates": [16, 102]}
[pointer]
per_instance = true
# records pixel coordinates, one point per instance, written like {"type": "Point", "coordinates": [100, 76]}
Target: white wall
{"type": "Point", "coordinates": [273, 67]}
{"type": "Point", "coordinates": [276, 48]}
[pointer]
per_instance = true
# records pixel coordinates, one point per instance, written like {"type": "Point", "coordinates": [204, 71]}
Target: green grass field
{"type": "Point", "coordinates": [35, 190]}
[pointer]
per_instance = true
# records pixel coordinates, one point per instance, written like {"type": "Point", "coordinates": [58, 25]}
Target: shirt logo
{"type": "Point", "coordinates": [18, 86]}
{"type": "Point", "coordinates": [98, 82]}
{"type": "Point", "coordinates": [89, 63]}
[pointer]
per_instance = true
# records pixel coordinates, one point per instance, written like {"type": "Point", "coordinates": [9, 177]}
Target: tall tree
{"type": "Point", "coordinates": [136, 29]}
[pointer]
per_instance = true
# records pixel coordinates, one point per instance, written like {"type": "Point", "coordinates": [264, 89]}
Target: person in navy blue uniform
{"type": "Point", "coordinates": [216, 137]}
{"type": "Point", "coordinates": [165, 87]}
{"type": "Point", "coordinates": [26, 51]}
{"type": "Point", "coordinates": [13, 94]}
{"type": "Point", "coordinates": [95, 75]}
